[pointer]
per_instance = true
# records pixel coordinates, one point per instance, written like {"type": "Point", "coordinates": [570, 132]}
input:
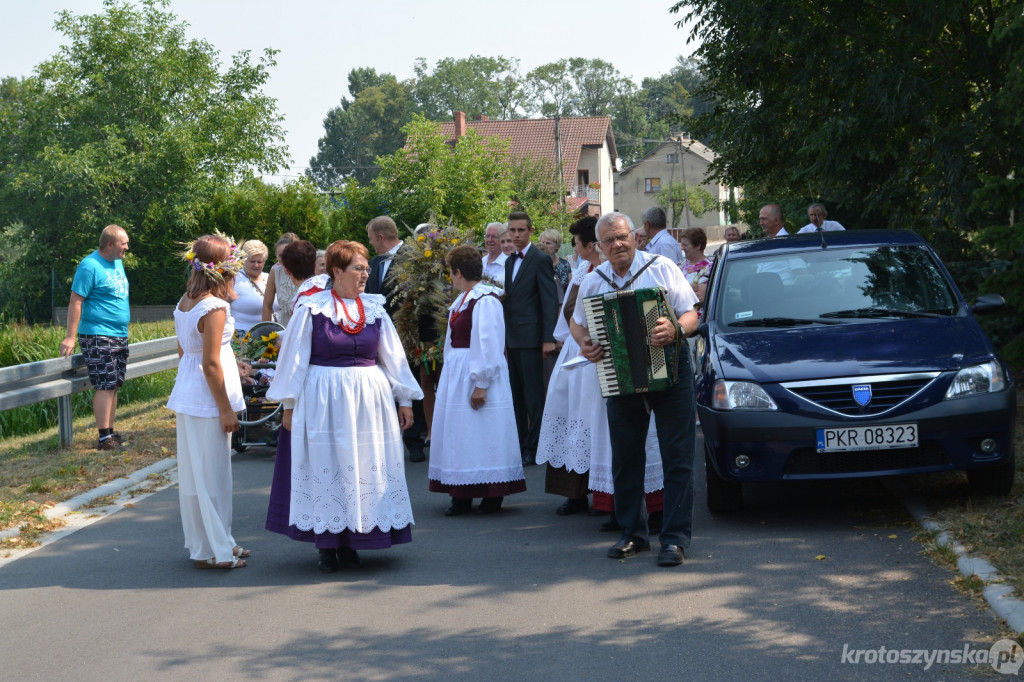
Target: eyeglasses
{"type": "Point", "coordinates": [361, 269]}
{"type": "Point", "coordinates": [608, 241]}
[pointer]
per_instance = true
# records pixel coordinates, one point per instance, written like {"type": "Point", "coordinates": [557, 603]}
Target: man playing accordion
{"type": "Point", "coordinates": [629, 415]}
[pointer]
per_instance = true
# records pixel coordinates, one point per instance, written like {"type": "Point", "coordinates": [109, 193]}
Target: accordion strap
{"type": "Point", "coordinates": [630, 280]}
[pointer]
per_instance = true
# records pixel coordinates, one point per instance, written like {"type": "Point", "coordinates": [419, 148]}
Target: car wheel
{"type": "Point", "coordinates": [236, 442]}
{"type": "Point", "coordinates": [997, 480]}
{"type": "Point", "coordinates": [723, 496]}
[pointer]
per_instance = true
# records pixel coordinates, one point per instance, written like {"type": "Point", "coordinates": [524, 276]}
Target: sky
{"type": "Point", "coordinates": [320, 41]}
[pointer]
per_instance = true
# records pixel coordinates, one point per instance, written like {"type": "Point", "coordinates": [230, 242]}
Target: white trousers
{"type": "Point", "coordinates": [204, 487]}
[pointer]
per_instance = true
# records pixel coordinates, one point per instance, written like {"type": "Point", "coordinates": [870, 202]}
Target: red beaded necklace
{"type": "Point", "coordinates": [359, 324]}
{"type": "Point", "coordinates": [458, 308]}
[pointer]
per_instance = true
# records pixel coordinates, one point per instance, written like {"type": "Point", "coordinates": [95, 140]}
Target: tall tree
{"type": "Point", "coordinates": [132, 123]}
{"type": "Point", "coordinates": [578, 87]}
{"type": "Point", "coordinates": [897, 114]}
{"type": "Point", "coordinates": [468, 183]}
{"type": "Point", "coordinates": [478, 86]}
{"type": "Point", "coordinates": [361, 129]}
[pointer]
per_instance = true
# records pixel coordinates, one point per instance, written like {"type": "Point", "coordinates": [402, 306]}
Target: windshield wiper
{"type": "Point", "coordinates": [870, 313]}
{"type": "Point", "coordinates": [779, 322]}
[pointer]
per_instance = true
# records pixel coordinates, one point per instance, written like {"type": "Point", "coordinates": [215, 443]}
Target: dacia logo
{"type": "Point", "coordinates": [862, 394]}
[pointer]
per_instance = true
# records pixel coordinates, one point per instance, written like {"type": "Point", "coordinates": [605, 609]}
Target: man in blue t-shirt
{"type": "Point", "coordinates": [98, 315]}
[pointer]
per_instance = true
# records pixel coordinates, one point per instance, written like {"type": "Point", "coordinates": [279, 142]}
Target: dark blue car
{"type": "Point", "coordinates": [846, 354]}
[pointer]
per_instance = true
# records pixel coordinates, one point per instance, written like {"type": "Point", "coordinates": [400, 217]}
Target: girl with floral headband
{"type": "Point", "coordinates": [207, 396]}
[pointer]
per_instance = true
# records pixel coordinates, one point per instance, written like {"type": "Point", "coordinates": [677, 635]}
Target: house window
{"type": "Point", "coordinates": [582, 178]}
{"type": "Point", "coordinates": [672, 158]}
{"type": "Point", "coordinates": [652, 185]}
{"type": "Point", "coordinates": [616, 186]}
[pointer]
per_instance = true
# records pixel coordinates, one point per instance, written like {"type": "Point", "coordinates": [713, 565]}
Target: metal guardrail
{"type": "Point", "coordinates": [60, 378]}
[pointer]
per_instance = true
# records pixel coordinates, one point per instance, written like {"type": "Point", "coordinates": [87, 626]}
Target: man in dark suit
{"type": "Point", "coordinates": [383, 235]}
{"type": "Point", "coordinates": [531, 306]}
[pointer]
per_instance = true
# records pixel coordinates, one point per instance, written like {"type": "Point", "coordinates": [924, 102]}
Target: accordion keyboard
{"type": "Point", "coordinates": [607, 379]}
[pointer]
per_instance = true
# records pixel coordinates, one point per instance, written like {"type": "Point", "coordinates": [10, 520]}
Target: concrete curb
{"type": "Point", "coordinates": [999, 595]}
{"type": "Point", "coordinates": [117, 485]}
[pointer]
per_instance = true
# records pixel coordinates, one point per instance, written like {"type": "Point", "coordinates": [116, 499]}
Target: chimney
{"type": "Point", "coordinates": [460, 124]}
{"type": "Point", "coordinates": [481, 117]}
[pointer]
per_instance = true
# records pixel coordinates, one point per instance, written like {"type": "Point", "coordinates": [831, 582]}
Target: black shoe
{"type": "Point", "coordinates": [108, 443]}
{"type": "Point", "coordinates": [610, 525]}
{"type": "Point", "coordinates": [598, 512]}
{"type": "Point", "coordinates": [459, 506]}
{"type": "Point", "coordinates": [121, 438]}
{"type": "Point", "coordinates": [416, 453]}
{"type": "Point", "coordinates": [654, 521]}
{"type": "Point", "coordinates": [348, 557]}
{"type": "Point", "coordinates": [623, 549]}
{"type": "Point", "coordinates": [328, 561]}
{"type": "Point", "coordinates": [670, 555]}
{"type": "Point", "coordinates": [571, 506]}
{"type": "Point", "coordinates": [490, 505]}
{"type": "Point", "coordinates": [530, 460]}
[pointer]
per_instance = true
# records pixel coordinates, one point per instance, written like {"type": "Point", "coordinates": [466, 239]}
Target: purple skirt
{"type": "Point", "coordinates": [279, 507]}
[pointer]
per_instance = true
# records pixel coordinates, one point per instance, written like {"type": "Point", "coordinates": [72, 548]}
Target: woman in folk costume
{"type": "Point", "coordinates": [567, 429]}
{"type": "Point", "coordinates": [340, 371]}
{"type": "Point", "coordinates": [475, 447]}
{"type": "Point", "coordinates": [206, 396]}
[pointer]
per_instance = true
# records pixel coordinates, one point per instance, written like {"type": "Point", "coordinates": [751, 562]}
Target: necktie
{"type": "Point", "coordinates": [521, 254]}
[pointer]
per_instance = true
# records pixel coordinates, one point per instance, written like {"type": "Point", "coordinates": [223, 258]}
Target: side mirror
{"type": "Point", "coordinates": [987, 303]}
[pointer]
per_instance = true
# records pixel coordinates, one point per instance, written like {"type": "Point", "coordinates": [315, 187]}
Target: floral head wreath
{"type": "Point", "coordinates": [216, 271]}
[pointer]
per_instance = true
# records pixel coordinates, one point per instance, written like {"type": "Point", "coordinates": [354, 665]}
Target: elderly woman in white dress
{"type": "Point", "coordinates": [340, 371]}
{"type": "Point", "coordinates": [207, 394]}
{"type": "Point", "coordinates": [250, 287]}
{"type": "Point", "coordinates": [475, 446]}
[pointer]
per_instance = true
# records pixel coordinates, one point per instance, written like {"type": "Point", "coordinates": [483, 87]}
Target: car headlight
{"type": "Point", "coordinates": [985, 378]}
{"type": "Point", "coordinates": [741, 395]}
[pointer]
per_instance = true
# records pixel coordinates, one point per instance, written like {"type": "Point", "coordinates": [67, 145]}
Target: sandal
{"type": "Point", "coordinates": [226, 565]}
{"type": "Point", "coordinates": [240, 552]}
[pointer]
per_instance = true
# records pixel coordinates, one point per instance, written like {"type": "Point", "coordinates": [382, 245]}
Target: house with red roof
{"type": "Point", "coordinates": [583, 147]}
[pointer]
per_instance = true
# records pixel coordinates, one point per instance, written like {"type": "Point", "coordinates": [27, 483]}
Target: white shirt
{"type": "Point", "coordinates": [826, 226]}
{"type": "Point", "coordinates": [661, 273]}
{"type": "Point", "coordinates": [496, 270]}
{"type": "Point", "coordinates": [387, 261]}
{"type": "Point", "coordinates": [665, 245]}
{"type": "Point", "coordinates": [519, 261]}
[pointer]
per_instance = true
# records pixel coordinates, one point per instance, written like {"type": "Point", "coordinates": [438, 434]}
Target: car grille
{"type": "Point", "coordinates": [805, 461]}
{"type": "Point", "coordinates": [886, 393]}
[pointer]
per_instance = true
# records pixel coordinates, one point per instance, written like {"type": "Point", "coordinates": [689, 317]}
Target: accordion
{"type": "Point", "coordinates": [621, 322]}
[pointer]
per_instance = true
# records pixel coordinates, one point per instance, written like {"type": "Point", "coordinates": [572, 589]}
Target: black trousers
{"type": "Point", "coordinates": [628, 422]}
{"type": "Point", "coordinates": [526, 376]}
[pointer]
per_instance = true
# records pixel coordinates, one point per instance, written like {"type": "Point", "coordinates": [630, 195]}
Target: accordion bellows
{"type": "Point", "coordinates": [621, 322]}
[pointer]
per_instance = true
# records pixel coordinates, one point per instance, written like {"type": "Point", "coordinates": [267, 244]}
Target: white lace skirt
{"type": "Point", "coordinates": [574, 429]}
{"type": "Point", "coordinates": [468, 446]}
{"type": "Point", "coordinates": [575, 423]}
{"type": "Point", "coordinates": [348, 469]}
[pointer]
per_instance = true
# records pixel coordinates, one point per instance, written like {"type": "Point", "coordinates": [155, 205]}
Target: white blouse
{"type": "Point", "coordinates": [487, 338]}
{"type": "Point", "coordinates": [293, 359]}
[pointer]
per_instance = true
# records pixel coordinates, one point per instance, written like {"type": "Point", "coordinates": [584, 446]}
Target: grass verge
{"type": "Point", "coordinates": [36, 473]}
{"type": "Point", "coordinates": [988, 527]}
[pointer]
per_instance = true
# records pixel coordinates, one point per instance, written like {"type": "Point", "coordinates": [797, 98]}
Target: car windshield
{"type": "Point", "coordinates": [834, 285]}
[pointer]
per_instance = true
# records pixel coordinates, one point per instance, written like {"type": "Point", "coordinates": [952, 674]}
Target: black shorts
{"type": "Point", "coordinates": [107, 358]}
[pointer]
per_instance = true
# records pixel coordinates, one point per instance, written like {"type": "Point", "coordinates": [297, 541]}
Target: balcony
{"type": "Point", "coordinates": [591, 193]}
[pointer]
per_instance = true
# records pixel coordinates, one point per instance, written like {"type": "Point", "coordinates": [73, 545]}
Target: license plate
{"type": "Point", "coordinates": [886, 437]}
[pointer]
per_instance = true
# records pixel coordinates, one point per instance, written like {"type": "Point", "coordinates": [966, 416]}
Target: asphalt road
{"type": "Point", "coordinates": [521, 595]}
